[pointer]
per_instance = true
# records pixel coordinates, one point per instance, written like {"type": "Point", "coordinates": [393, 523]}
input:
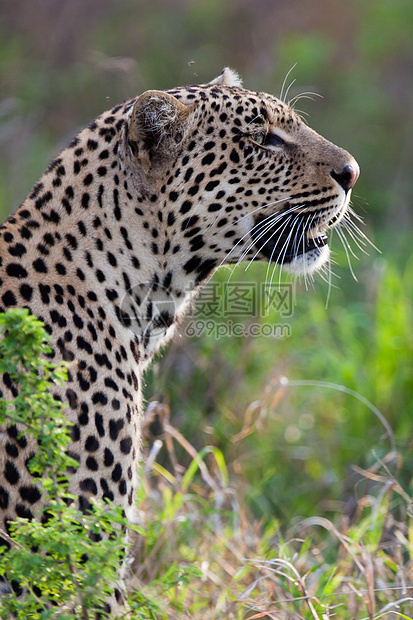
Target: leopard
{"type": "Point", "coordinates": [120, 232]}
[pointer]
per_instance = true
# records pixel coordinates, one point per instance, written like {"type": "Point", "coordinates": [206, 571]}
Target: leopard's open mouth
{"type": "Point", "coordinates": [285, 242]}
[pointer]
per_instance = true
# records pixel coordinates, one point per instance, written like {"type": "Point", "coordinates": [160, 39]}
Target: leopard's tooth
{"type": "Point", "coordinates": [318, 231]}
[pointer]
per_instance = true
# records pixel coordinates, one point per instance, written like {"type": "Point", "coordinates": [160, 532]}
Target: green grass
{"type": "Point", "coordinates": [205, 555]}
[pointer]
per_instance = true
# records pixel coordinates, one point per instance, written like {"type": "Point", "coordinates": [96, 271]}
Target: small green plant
{"type": "Point", "coordinates": [22, 356]}
{"type": "Point", "coordinates": [47, 559]}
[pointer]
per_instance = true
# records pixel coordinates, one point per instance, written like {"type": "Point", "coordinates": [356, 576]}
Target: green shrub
{"type": "Point", "coordinates": [48, 560]}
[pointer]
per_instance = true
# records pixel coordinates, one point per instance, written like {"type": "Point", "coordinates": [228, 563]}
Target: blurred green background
{"type": "Point", "coordinates": [63, 62]}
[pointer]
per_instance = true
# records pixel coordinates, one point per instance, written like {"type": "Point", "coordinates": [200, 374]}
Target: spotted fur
{"type": "Point", "coordinates": [146, 203]}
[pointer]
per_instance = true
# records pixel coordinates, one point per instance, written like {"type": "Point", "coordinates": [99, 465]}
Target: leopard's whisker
{"type": "Point", "coordinates": [288, 88]}
{"type": "Point", "coordinates": [283, 225]}
{"type": "Point", "coordinates": [263, 224]}
{"type": "Point", "coordinates": [308, 94]}
{"type": "Point", "coordinates": [359, 242]}
{"type": "Point", "coordinates": [345, 246]}
{"type": "Point", "coordinates": [257, 226]}
{"type": "Point", "coordinates": [305, 228]}
{"type": "Point", "coordinates": [356, 229]}
{"type": "Point", "coordinates": [342, 230]}
{"type": "Point", "coordinates": [267, 227]}
{"type": "Point", "coordinates": [265, 206]}
{"type": "Point", "coordinates": [282, 97]}
{"type": "Point", "coordinates": [285, 245]}
{"type": "Point", "coordinates": [350, 212]}
{"type": "Point", "coordinates": [272, 254]}
{"type": "Point", "coordinates": [329, 272]}
{"type": "Point", "coordinates": [346, 224]}
{"type": "Point", "coordinates": [300, 237]}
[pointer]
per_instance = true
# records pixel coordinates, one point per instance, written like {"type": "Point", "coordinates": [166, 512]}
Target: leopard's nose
{"type": "Point", "coordinates": [347, 176]}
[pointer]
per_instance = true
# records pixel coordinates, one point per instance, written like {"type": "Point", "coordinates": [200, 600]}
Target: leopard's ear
{"type": "Point", "coordinates": [228, 77]}
{"type": "Point", "coordinates": [158, 125]}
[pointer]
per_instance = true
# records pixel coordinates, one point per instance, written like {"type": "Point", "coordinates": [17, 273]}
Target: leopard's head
{"type": "Point", "coordinates": [244, 177]}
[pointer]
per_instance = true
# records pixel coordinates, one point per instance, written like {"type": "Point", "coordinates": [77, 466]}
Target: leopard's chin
{"type": "Point", "coordinates": [308, 262]}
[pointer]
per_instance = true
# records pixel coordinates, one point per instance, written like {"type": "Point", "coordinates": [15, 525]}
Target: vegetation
{"type": "Point", "coordinates": [302, 508]}
{"type": "Point", "coordinates": [46, 558]}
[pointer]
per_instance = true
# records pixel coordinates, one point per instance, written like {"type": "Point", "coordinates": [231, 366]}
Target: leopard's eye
{"type": "Point", "coordinates": [259, 137]}
{"type": "Point", "coordinates": [267, 139]}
